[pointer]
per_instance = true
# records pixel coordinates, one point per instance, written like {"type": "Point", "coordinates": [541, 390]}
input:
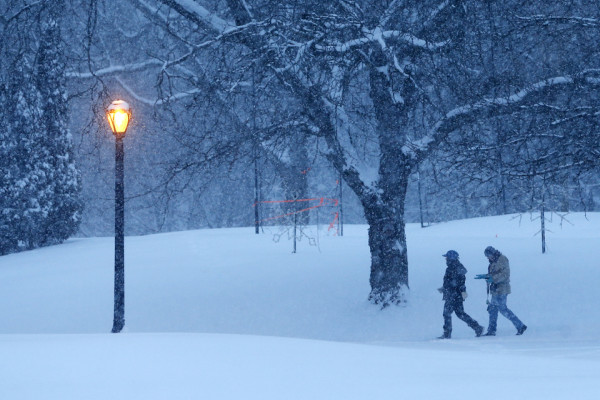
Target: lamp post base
{"type": "Point", "coordinates": [118, 326]}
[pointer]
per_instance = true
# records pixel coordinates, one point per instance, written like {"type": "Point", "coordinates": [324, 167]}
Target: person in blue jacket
{"type": "Point", "coordinates": [455, 293]}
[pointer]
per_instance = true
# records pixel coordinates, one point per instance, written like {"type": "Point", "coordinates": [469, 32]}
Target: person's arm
{"type": "Point", "coordinates": [462, 287]}
{"type": "Point", "coordinates": [460, 283]}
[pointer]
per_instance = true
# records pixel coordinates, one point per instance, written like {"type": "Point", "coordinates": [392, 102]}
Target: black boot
{"type": "Point", "coordinates": [521, 329]}
{"type": "Point", "coordinates": [488, 333]}
{"type": "Point", "coordinates": [478, 331]}
{"type": "Point", "coordinates": [444, 336]}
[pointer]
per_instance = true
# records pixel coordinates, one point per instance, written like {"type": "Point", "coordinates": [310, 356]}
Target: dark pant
{"type": "Point", "coordinates": [456, 306]}
{"type": "Point", "coordinates": [498, 304]}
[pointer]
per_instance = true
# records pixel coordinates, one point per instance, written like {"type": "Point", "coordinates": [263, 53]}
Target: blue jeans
{"type": "Point", "coordinates": [498, 303]}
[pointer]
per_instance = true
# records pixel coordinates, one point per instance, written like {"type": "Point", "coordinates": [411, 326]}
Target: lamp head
{"type": "Point", "coordinates": [119, 115]}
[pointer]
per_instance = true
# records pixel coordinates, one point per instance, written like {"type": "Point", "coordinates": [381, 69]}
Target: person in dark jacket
{"type": "Point", "coordinates": [498, 279]}
{"type": "Point", "coordinates": [455, 293]}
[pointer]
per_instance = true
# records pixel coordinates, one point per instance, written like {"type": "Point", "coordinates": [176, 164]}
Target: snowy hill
{"type": "Point", "coordinates": [226, 314]}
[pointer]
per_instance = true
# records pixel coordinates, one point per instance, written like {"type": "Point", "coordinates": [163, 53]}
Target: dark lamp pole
{"type": "Point", "coordinates": [119, 114]}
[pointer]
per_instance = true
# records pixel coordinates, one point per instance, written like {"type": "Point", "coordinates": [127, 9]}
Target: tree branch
{"type": "Point", "coordinates": [545, 20]}
{"type": "Point", "coordinates": [464, 115]}
{"type": "Point", "coordinates": [194, 12]}
{"type": "Point", "coordinates": [115, 69]}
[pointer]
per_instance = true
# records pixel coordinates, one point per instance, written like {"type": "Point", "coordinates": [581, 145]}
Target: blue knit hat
{"type": "Point", "coordinates": [451, 255]}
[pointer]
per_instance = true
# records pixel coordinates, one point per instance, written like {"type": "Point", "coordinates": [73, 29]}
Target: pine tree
{"type": "Point", "coordinates": [39, 182]}
{"type": "Point", "coordinates": [23, 174]}
{"type": "Point", "coordinates": [64, 187]}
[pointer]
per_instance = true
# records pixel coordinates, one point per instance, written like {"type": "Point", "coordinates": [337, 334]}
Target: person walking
{"type": "Point", "coordinates": [498, 279]}
{"type": "Point", "coordinates": [455, 293]}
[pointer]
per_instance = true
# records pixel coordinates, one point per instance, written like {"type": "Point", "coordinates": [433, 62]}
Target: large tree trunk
{"type": "Point", "coordinates": [389, 260]}
{"type": "Point", "coordinates": [383, 202]}
{"type": "Point", "coordinates": [387, 237]}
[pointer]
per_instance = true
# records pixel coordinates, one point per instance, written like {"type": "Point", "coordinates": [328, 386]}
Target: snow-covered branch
{"type": "Point", "coordinates": [20, 12]}
{"type": "Point", "coordinates": [390, 11]}
{"type": "Point", "coordinates": [354, 155]}
{"type": "Point", "coordinates": [140, 66]}
{"type": "Point", "coordinates": [514, 98]}
{"type": "Point", "coordinates": [583, 115]}
{"type": "Point", "coordinates": [436, 12]}
{"type": "Point", "coordinates": [351, 7]}
{"type": "Point", "coordinates": [198, 14]}
{"type": "Point", "coordinates": [545, 20]}
{"type": "Point", "coordinates": [247, 9]}
{"type": "Point", "coordinates": [462, 115]}
{"type": "Point", "coordinates": [150, 11]}
{"type": "Point", "coordinates": [377, 35]}
{"type": "Point", "coordinates": [115, 69]}
{"type": "Point", "coordinates": [546, 171]}
{"type": "Point", "coordinates": [156, 102]}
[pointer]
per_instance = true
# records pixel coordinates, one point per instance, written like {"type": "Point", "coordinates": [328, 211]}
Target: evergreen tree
{"type": "Point", "coordinates": [23, 173]}
{"type": "Point", "coordinates": [39, 182]}
{"type": "Point", "coordinates": [64, 187]}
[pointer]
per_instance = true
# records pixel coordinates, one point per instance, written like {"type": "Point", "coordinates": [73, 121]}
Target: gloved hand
{"type": "Point", "coordinates": [464, 295]}
{"type": "Point", "coordinates": [441, 290]}
{"type": "Point", "coordinates": [489, 279]}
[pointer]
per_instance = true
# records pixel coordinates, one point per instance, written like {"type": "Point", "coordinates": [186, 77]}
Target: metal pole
{"type": "Point", "coordinates": [420, 201]}
{"type": "Point", "coordinates": [543, 219]}
{"type": "Point", "coordinates": [119, 313]}
{"type": "Point", "coordinates": [295, 223]}
{"type": "Point", "coordinates": [255, 151]}
{"type": "Point", "coordinates": [256, 195]}
{"type": "Point", "coordinates": [341, 216]}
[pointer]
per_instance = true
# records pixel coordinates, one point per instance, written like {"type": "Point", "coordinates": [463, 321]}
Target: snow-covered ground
{"type": "Point", "coordinates": [226, 314]}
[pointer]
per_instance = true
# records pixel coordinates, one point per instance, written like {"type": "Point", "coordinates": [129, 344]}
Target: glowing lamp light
{"type": "Point", "coordinates": [118, 114]}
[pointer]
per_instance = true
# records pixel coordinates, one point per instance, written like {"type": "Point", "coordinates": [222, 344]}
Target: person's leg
{"type": "Point", "coordinates": [504, 310]}
{"type": "Point", "coordinates": [493, 313]}
{"type": "Point", "coordinates": [447, 319]}
{"type": "Point", "coordinates": [460, 313]}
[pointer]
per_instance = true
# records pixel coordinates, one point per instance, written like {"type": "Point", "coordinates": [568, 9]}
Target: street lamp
{"type": "Point", "coordinates": [119, 114]}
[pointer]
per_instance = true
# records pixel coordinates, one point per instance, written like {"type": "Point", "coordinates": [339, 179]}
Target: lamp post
{"type": "Point", "coordinates": [119, 114]}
